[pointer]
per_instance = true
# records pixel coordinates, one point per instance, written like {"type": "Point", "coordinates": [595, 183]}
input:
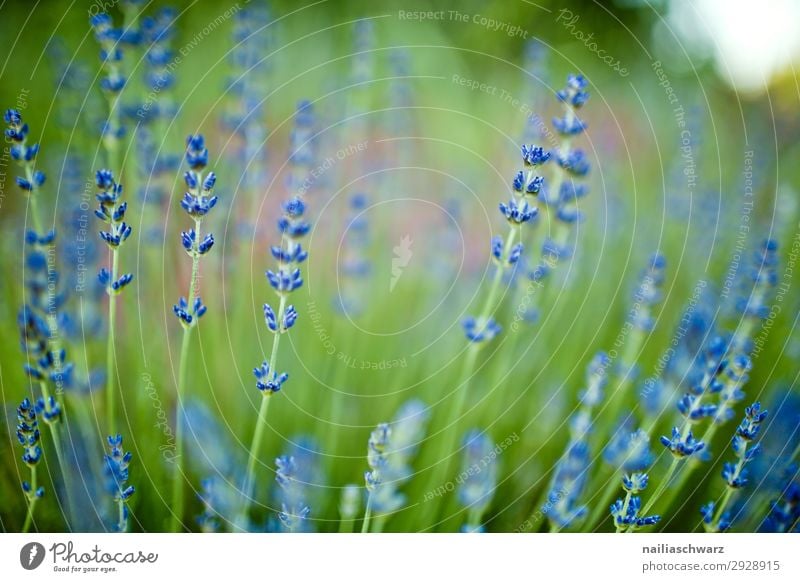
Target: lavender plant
{"type": "Point", "coordinates": [716, 517]}
{"type": "Point", "coordinates": [565, 473]}
{"type": "Point", "coordinates": [287, 277]}
{"type": "Point", "coordinates": [39, 320]}
{"type": "Point", "coordinates": [480, 330]}
{"type": "Point", "coordinates": [626, 512]}
{"type": "Point", "coordinates": [116, 465]}
{"type": "Point", "coordinates": [111, 211]}
{"type": "Point", "coordinates": [28, 436]}
{"type": "Point", "coordinates": [478, 479]}
{"type": "Point", "coordinates": [197, 202]}
{"type": "Point", "coordinates": [377, 446]}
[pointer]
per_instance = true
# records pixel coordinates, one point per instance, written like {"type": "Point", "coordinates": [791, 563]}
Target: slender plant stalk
{"type": "Point", "coordinates": [625, 505]}
{"type": "Point", "coordinates": [261, 421]}
{"type": "Point", "coordinates": [54, 427]}
{"type": "Point", "coordinates": [662, 486]}
{"type": "Point", "coordinates": [111, 369]}
{"type": "Point", "coordinates": [177, 482]}
{"type": "Point", "coordinates": [449, 439]}
{"type": "Point", "coordinates": [31, 502]}
{"type": "Point", "coordinates": [112, 153]}
{"type": "Point", "coordinates": [367, 515]}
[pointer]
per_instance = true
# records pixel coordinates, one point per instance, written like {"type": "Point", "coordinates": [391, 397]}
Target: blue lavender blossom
{"type": "Point", "coordinates": [209, 519]}
{"type": "Point", "coordinates": [730, 380]}
{"type": "Point", "coordinates": [198, 201]}
{"type": "Point", "coordinates": [719, 524]}
{"type": "Point", "coordinates": [784, 512]}
{"type": "Point", "coordinates": [478, 478]}
{"type": "Point", "coordinates": [376, 456]}
{"type": "Point", "coordinates": [572, 162]}
{"type": "Point", "coordinates": [294, 512]}
{"type": "Point", "coordinates": [292, 226]}
{"type": "Point", "coordinates": [626, 517]}
{"type": "Point", "coordinates": [596, 380]}
{"type": "Point", "coordinates": [157, 34]}
{"type": "Point", "coordinates": [188, 316]}
{"type": "Point", "coordinates": [108, 38]}
{"type": "Point", "coordinates": [648, 293]}
{"type": "Point", "coordinates": [626, 513]}
{"type": "Point", "coordinates": [23, 152]}
{"type": "Point", "coordinates": [302, 149]}
{"type": "Point", "coordinates": [567, 486]}
{"type": "Point", "coordinates": [717, 518]}
{"type": "Point", "coordinates": [682, 446]}
{"type": "Point", "coordinates": [753, 303]}
{"type": "Point", "coordinates": [407, 432]}
{"type": "Point", "coordinates": [111, 210]}
{"type": "Point", "coordinates": [356, 266]}
{"type": "Point", "coordinates": [629, 450]}
{"type": "Point", "coordinates": [39, 320]}
{"type": "Point", "coordinates": [250, 67]}
{"type": "Point", "coordinates": [517, 211]}
{"type": "Point", "coordinates": [28, 436]}
{"type": "Point", "coordinates": [479, 332]}
{"type": "Point", "coordinates": [116, 467]}
{"type": "Point", "coordinates": [267, 381]}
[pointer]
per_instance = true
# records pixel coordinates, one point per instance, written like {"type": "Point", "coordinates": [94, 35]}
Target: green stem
{"type": "Point", "coordinates": [449, 437]}
{"type": "Point", "coordinates": [625, 505]}
{"type": "Point", "coordinates": [32, 499]}
{"type": "Point", "coordinates": [261, 422]}
{"type": "Point", "coordinates": [726, 498]}
{"type": "Point", "coordinates": [673, 467]}
{"type": "Point", "coordinates": [729, 490]}
{"type": "Point", "coordinates": [605, 500]}
{"type": "Point", "coordinates": [367, 515]}
{"type": "Point", "coordinates": [111, 370]}
{"type": "Point", "coordinates": [177, 483]}
{"type": "Point", "coordinates": [346, 525]}
{"type": "Point", "coordinates": [473, 522]}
